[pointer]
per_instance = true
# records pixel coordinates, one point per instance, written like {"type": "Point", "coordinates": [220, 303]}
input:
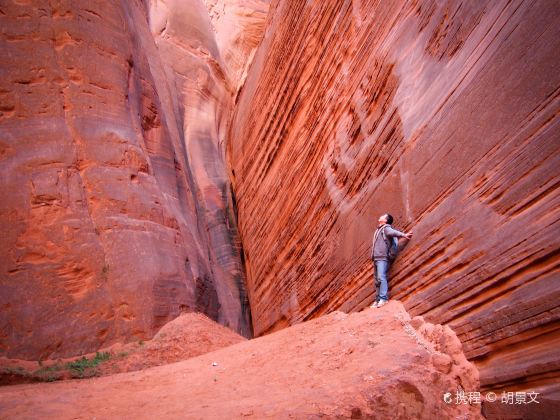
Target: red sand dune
{"type": "Point", "coordinates": [372, 364]}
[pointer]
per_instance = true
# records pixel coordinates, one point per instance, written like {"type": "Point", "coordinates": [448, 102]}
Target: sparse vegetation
{"type": "Point", "coordinates": [81, 368]}
{"type": "Point", "coordinates": [77, 369]}
{"type": "Point", "coordinates": [14, 371]}
{"type": "Point", "coordinates": [85, 368]}
{"type": "Point", "coordinates": [48, 373]}
{"type": "Point", "coordinates": [14, 375]}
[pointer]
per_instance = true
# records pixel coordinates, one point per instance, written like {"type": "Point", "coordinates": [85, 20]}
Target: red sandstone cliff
{"type": "Point", "coordinates": [444, 114]}
{"type": "Point", "coordinates": [116, 212]}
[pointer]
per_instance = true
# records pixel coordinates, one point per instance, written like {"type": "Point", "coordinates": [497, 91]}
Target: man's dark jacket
{"type": "Point", "coordinates": [379, 247]}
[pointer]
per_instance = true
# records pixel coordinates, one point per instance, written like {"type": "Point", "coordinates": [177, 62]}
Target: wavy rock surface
{"type": "Point", "coordinates": [444, 114]}
{"type": "Point", "coordinates": [116, 212]}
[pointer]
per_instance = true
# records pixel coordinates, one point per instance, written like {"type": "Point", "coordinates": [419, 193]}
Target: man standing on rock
{"type": "Point", "coordinates": [382, 256]}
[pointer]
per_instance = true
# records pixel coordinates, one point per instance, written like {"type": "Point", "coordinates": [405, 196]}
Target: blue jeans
{"type": "Point", "coordinates": [381, 279]}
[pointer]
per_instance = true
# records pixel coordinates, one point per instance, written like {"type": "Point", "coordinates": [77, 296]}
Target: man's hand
{"type": "Point", "coordinates": [408, 235]}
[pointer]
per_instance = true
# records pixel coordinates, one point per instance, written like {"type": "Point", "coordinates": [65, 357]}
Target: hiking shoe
{"type": "Point", "coordinates": [374, 304]}
{"type": "Point", "coordinates": [382, 302]}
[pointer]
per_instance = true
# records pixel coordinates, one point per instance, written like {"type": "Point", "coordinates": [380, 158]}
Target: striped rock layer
{"type": "Point", "coordinates": [444, 114]}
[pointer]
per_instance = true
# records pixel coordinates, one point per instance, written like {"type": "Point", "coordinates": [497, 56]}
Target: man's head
{"type": "Point", "coordinates": [385, 218]}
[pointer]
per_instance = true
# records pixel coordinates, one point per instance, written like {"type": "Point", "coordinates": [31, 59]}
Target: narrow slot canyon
{"type": "Point", "coordinates": [190, 190]}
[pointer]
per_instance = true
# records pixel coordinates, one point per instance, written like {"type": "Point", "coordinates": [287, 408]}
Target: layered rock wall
{"type": "Point", "coordinates": [116, 213]}
{"type": "Point", "coordinates": [444, 114]}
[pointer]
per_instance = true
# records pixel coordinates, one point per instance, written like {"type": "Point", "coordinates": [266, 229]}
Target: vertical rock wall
{"type": "Point", "coordinates": [115, 211]}
{"type": "Point", "coordinates": [444, 114]}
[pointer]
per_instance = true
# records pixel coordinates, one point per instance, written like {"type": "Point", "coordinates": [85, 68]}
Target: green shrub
{"type": "Point", "coordinates": [85, 368]}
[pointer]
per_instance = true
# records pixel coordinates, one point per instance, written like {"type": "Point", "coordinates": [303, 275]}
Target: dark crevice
{"type": "Point", "coordinates": [241, 279]}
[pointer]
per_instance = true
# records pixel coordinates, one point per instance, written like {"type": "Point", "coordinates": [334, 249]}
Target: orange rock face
{"type": "Point", "coordinates": [116, 212]}
{"type": "Point", "coordinates": [444, 114]}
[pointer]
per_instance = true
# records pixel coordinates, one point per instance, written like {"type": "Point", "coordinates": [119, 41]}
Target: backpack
{"type": "Point", "coordinates": [392, 245]}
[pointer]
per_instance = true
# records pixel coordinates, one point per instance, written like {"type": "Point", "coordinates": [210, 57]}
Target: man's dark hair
{"type": "Point", "coordinates": [389, 219]}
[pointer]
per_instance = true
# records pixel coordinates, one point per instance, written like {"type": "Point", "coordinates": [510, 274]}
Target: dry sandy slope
{"type": "Point", "coordinates": [189, 335]}
{"type": "Point", "coordinates": [371, 364]}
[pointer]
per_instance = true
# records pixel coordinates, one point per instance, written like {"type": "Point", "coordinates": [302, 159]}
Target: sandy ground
{"type": "Point", "coordinates": [189, 335]}
{"type": "Point", "coordinates": [373, 364]}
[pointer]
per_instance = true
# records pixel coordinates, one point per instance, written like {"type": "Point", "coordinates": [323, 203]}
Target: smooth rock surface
{"type": "Point", "coordinates": [444, 114]}
{"type": "Point", "coordinates": [116, 213]}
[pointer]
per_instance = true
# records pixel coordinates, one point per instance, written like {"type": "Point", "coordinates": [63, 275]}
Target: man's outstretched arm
{"type": "Point", "coordinates": [389, 231]}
